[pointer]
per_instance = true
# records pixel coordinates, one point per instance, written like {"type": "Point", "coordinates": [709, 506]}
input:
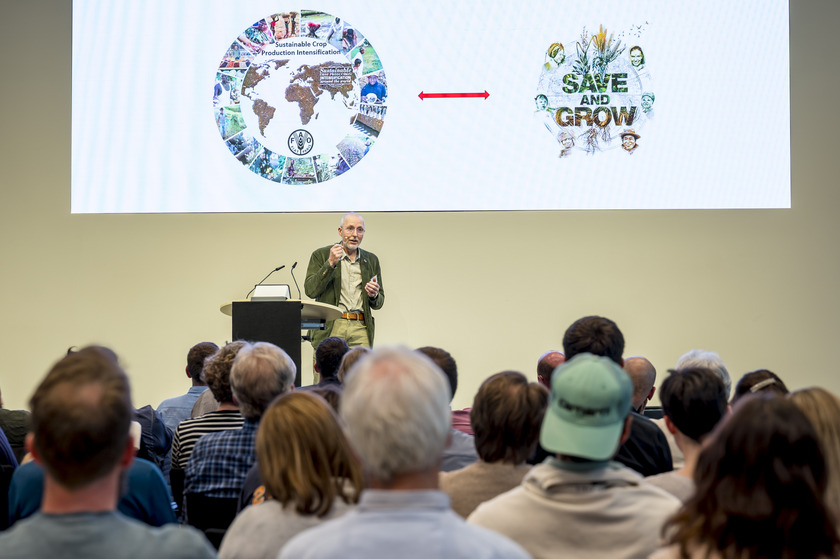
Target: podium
{"type": "Point", "coordinates": [278, 322]}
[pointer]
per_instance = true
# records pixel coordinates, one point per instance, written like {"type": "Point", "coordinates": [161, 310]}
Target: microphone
{"type": "Point", "coordinates": [265, 278]}
{"type": "Point", "coordinates": [292, 271]}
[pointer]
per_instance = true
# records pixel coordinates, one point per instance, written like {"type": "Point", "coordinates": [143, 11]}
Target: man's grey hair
{"type": "Point", "coordinates": [348, 214]}
{"type": "Point", "coordinates": [396, 408]}
{"type": "Point", "coordinates": [704, 359]}
{"type": "Point", "coordinates": [261, 372]}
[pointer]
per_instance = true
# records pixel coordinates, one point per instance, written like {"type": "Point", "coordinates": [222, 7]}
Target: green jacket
{"type": "Point", "coordinates": [323, 283]}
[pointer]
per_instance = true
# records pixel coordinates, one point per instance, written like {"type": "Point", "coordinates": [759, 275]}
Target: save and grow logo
{"type": "Point", "coordinates": [598, 97]}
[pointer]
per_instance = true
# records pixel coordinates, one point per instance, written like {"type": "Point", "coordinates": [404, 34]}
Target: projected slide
{"type": "Point", "coordinates": [185, 106]}
{"type": "Point", "coordinates": [300, 97]}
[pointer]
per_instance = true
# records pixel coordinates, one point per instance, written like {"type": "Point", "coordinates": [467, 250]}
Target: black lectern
{"type": "Point", "coordinates": [277, 322]}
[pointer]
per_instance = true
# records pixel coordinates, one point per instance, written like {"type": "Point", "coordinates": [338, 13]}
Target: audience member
{"type": "Point", "coordinates": [220, 460]}
{"type": "Point", "coordinates": [461, 421]}
{"type": "Point", "coordinates": [155, 437]}
{"type": "Point", "coordinates": [330, 393]}
{"type": "Point", "coordinates": [761, 380]}
{"type": "Point", "coordinates": [145, 496]}
{"type": "Point", "coordinates": [761, 481]}
{"type": "Point", "coordinates": [646, 450]}
{"type": "Point", "coordinates": [822, 408]}
{"type": "Point", "coordinates": [693, 401]}
{"type": "Point", "coordinates": [506, 417]}
{"type": "Point", "coordinates": [643, 375]}
{"type": "Point", "coordinates": [580, 503]}
{"type": "Point", "coordinates": [8, 465]}
{"type": "Point", "coordinates": [328, 357]}
{"type": "Point", "coordinates": [704, 359]}
{"type": "Point", "coordinates": [253, 490]}
{"type": "Point", "coordinates": [309, 473]}
{"type": "Point", "coordinates": [15, 425]}
{"type": "Point", "coordinates": [546, 365]}
{"type": "Point", "coordinates": [695, 359]}
{"type": "Point", "coordinates": [349, 359]}
{"type": "Point", "coordinates": [461, 450]}
{"type": "Point", "coordinates": [227, 417]}
{"type": "Point", "coordinates": [396, 409]}
{"type": "Point", "coordinates": [81, 413]}
{"type": "Point", "coordinates": [175, 410]}
{"type": "Point", "coordinates": [205, 403]}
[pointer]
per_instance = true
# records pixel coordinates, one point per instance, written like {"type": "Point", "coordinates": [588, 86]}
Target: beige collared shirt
{"type": "Point", "coordinates": [351, 284]}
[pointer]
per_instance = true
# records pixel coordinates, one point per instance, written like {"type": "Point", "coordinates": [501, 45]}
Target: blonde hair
{"type": "Point", "coordinates": [350, 358]}
{"type": "Point", "coordinates": [822, 408]}
{"type": "Point", "coordinates": [303, 456]}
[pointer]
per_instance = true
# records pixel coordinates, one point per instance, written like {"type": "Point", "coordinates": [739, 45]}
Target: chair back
{"type": "Point", "coordinates": [211, 515]}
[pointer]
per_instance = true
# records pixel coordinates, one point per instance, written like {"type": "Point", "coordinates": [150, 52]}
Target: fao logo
{"type": "Point", "coordinates": [300, 142]}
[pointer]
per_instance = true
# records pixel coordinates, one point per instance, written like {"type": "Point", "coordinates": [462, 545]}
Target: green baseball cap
{"type": "Point", "coordinates": [590, 399]}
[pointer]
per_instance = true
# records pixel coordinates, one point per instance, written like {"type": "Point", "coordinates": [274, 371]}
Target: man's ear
{"type": "Point", "coordinates": [670, 425]}
{"type": "Point", "coordinates": [652, 391]}
{"type": "Point", "coordinates": [626, 433]}
{"type": "Point", "coordinates": [187, 370]}
{"type": "Point", "coordinates": [29, 443]}
{"type": "Point", "coordinates": [128, 453]}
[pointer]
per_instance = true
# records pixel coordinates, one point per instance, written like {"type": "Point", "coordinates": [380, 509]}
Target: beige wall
{"type": "Point", "coordinates": [496, 289]}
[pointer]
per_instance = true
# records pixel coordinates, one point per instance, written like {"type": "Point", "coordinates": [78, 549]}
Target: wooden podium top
{"type": "Point", "coordinates": [310, 310]}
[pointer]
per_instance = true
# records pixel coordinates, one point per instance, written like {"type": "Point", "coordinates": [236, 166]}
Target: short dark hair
{"type": "Point", "coordinates": [694, 399]}
{"type": "Point", "coordinates": [446, 362]}
{"type": "Point", "coordinates": [596, 335]}
{"type": "Point", "coordinates": [506, 417]}
{"type": "Point", "coordinates": [81, 413]}
{"type": "Point", "coordinates": [196, 356]}
{"type": "Point", "coordinates": [328, 356]}
{"type": "Point", "coordinates": [761, 380]}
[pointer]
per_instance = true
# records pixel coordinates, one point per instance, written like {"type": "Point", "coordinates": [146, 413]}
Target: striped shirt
{"type": "Point", "coordinates": [190, 430]}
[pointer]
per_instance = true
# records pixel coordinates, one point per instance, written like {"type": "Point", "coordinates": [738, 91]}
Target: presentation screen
{"type": "Point", "coordinates": [432, 105]}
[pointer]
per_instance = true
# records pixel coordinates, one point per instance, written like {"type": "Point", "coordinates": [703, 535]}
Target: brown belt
{"type": "Point", "coordinates": [353, 316]}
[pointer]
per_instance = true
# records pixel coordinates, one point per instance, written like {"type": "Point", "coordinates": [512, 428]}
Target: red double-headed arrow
{"type": "Point", "coordinates": [451, 95]}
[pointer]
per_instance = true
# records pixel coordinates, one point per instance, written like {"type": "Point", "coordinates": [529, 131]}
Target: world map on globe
{"type": "Point", "coordinates": [288, 99]}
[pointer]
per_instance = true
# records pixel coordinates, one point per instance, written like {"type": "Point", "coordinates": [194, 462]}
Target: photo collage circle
{"type": "Point", "coordinates": [300, 97]}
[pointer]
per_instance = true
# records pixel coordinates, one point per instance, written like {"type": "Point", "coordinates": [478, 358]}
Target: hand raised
{"type": "Point", "coordinates": [336, 254]}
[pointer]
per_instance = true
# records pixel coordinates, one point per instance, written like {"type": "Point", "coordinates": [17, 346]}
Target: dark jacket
{"type": "Point", "coordinates": [323, 283]}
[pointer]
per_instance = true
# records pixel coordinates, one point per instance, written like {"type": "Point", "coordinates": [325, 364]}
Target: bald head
{"type": "Point", "coordinates": [549, 361]}
{"type": "Point", "coordinates": [643, 374]}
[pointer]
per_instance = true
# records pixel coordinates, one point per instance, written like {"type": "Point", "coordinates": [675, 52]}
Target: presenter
{"type": "Point", "coordinates": [350, 278]}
